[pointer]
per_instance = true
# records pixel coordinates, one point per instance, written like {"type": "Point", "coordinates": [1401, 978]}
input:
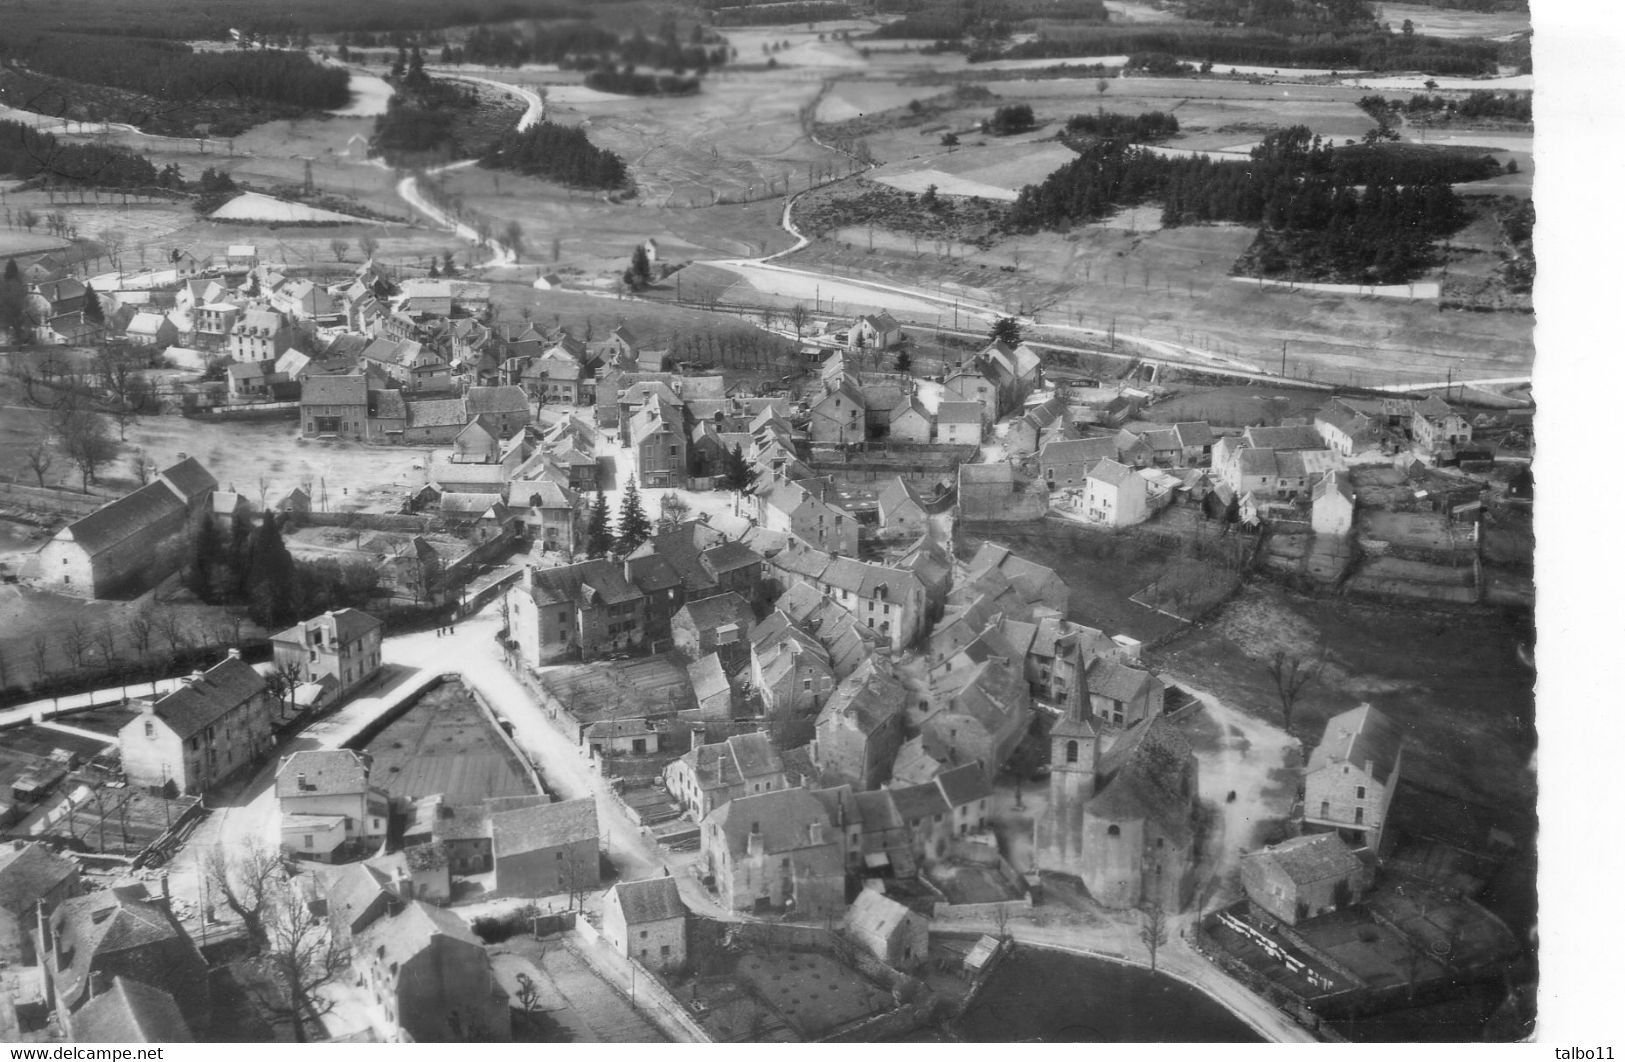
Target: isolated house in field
{"type": "Point", "coordinates": [1352, 775]}
{"type": "Point", "coordinates": [341, 650]}
{"type": "Point", "coordinates": [1304, 877]}
{"type": "Point", "coordinates": [130, 544]}
{"type": "Point", "coordinates": [33, 880]}
{"type": "Point", "coordinates": [874, 331]}
{"type": "Point", "coordinates": [213, 725]}
{"type": "Point", "coordinates": [647, 921]}
{"type": "Point", "coordinates": [887, 930]}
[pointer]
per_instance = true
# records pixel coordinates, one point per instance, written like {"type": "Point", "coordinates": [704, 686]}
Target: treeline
{"type": "Point", "coordinates": [1146, 128]}
{"type": "Point", "coordinates": [1316, 222]}
{"type": "Point", "coordinates": [780, 14]}
{"type": "Point", "coordinates": [1478, 105]}
{"type": "Point", "coordinates": [1276, 13]}
{"type": "Point", "coordinates": [27, 154]}
{"type": "Point", "coordinates": [990, 20]}
{"type": "Point", "coordinates": [629, 82]}
{"type": "Point", "coordinates": [558, 153]}
{"type": "Point", "coordinates": [167, 70]}
{"type": "Point", "coordinates": [1372, 50]}
{"type": "Point", "coordinates": [586, 46]}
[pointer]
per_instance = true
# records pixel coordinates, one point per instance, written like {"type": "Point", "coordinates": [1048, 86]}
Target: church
{"type": "Point", "coordinates": [1122, 811]}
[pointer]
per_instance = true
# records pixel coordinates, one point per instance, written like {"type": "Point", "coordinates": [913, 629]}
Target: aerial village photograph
{"type": "Point", "coordinates": [738, 521]}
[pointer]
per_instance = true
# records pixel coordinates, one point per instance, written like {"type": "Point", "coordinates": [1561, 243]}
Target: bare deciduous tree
{"type": "Point", "coordinates": [140, 626]}
{"type": "Point", "coordinates": [40, 459]}
{"type": "Point", "coordinates": [247, 882]}
{"type": "Point", "coordinates": [76, 639]}
{"type": "Point", "coordinates": [302, 956]}
{"type": "Point", "coordinates": [369, 246]}
{"type": "Point", "coordinates": [167, 620]}
{"type": "Point", "coordinates": [340, 248]}
{"type": "Point", "coordinates": [1291, 674]}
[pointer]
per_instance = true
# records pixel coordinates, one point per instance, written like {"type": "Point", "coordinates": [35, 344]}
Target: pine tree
{"type": "Point", "coordinates": [93, 306]}
{"type": "Point", "coordinates": [271, 577]}
{"type": "Point", "coordinates": [13, 273]}
{"type": "Point", "coordinates": [600, 540]}
{"type": "Point", "coordinates": [736, 471]}
{"type": "Point", "coordinates": [634, 521]}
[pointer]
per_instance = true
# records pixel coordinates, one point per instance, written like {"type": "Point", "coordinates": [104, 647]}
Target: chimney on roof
{"type": "Point", "coordinates": [163, 887]}
{"type": "Point", "coordinates": [234, 654]}
{"type": "Point", "coordinates": [194, 678]}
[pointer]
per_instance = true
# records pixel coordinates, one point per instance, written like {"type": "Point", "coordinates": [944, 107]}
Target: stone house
{"type": "Point", "coordinates": [32, 879]}
{"type": "Point", "coordinates": [886, 929]}
{"type": "Point", "coordinates": [259, 335]}
{"type": "Point", "coordinates": [128, 544]}
{"type": "Point", "coordinates": [874, 331]}
{"type": "Point", "coordinates": [429, 975]}
{"type": "Point", "coordinates": [315, 787]}
{"type": "Point", "coordinates": [789, 668]}
{"type": "Point", "coordinates": [1304, 877]}
{"type": "Point", "coordinates": [839, 415]}
{"type": "Point", "coordinates": [1349, 783]}
{"type": "Point", "coordinates": [213, 725]}
{"type": "Point", "coordinates": [333, 405]}
{"type": "Point", "coordinates": [1435, 426]}
{"type": "Point", "coordinates": [709, 776]}
{"type": "Point", "coordinates": [776, 852]}
{"type": "Point", "coordinates": [860, 728]}
{"type": "Point", "coordinates": [719, 624]}
{"type": "Point", "coordinates": [647, 921]}
{"type": "Point", "coordinates": [793, 508]}
{"type": "Point", "coordinates": [544, 849]}
{"type": "Point", "coordinates": [1331, 510]}
{"type": "Point", "coordinates": [1039, 426]}
{"type": "Point", "coordinates": [1120, 695]}
{"type": "Point", "coordinates": [910, 422]}
{"type": "Point", "coordinates": [960, 423]}
{"type": "Point", "coordinates": [659, 445]}
{"type": "Point", "coordinates": [342, 650]}
{"type": "Point", "coordinates": [1066, 463]}
{"type": "Point", "coordinates": [1114, 495]}
{"type": "Point", "coordinates": [92, 941]}
{"type": "Point", "coordinates": [903, 513]}
{"type": "Point", "coordinates": [576, 611]}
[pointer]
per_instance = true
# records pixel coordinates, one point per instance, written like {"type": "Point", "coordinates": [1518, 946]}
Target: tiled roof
{"type": "Point", "coordinates": [959, 413]}
{"type": "Point", "coordinates": [1117, 681]}
{"type": "Point", "coordinates": [1289, 437]}
{"type": "Point", "coordinates": [435, 412]}
{"type": "Point", "coordinates": [1356, 737]}
{"type": "Point", "coordinates": [707, 677]}
{"type": "Point", "coordinates": [504, 399]}
{"type": "Point", "coordinates": [321, 772]}
{"type": "Point", "coordinates": [711, 613]}
{"type": "Point", "coordinates": [653, 900]}
{"type": "Point", "coordinates": [130, 1013]}
{"type": "Point", "coordinates": [125, 517]}
{"type": "Point", "coordinates": [964, 784]}
{"type": "Point", "coordinates": [1109, 471]}
{"type": "Point", "coordinates": [543, 826]}
{"type": "Point", "coordinates": [334, 391]}
{"type": "Point", "coordinates": [200, 703]}
{"type": "Point", "coordinates": [29, 874]}
{"type": "Point", "coordinates": [783, 818]}
{"type": "Point", "coordinates": [1312, 858]}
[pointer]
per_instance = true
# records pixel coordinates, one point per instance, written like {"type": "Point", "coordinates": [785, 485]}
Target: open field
{"type": "Point", "coordinates": [444, 744]}
{"type": "Point", "coordinates": [1452, 682]}
{"type": "Point", "coordinates": [1448, 22]}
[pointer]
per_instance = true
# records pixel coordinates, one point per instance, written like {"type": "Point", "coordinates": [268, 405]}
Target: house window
{"type": "Point", "coordinates": [643, 934]}
{"type": "Point", "coordinates": [1072, 752]}
{"type": "Point", "coordinates": [149, 729]}
{"type": "Point", "coordinates": [310, 842]}
{"type": "Point", "coordinates": [1359, 816]}
{"type": "Point", "coordinates": [1113, 831]}
{"type": "Point", "coordinates": [1359, 792]}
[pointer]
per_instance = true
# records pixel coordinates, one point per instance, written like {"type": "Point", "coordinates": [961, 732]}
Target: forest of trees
{"type": "Point", "coordinates": [558, 153]}
{"type": "Point", "coordinates": [1476, 106]}
{"type": "Point", "coordinates": [1146, 128]}
{"type": "Point", "coordinates": [167, 70]}
{"type": "Point", "coordinates": [26, 153]}
{"type": "Point", "coordinates": [1364, 50]}
{"type": "Point", "coordinates": [588, 46]}
{"type": "Point", "coordinates": [424, 116]}
{"type": "Point", "coordinates": [1315, 223]}
{"type": "Point", "coordinates": [780, 14]}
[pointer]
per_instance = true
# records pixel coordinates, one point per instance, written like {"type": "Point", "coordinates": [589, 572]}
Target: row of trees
{"type": "Point", "coordinates": [628, 82]}
{"type": "Point", "coordinates": [587, 46]}
{"type": "Point", "coordinates": [1477, 105]}
{"type": "Point", "coordinates": [28, 154]}
{"type": "Point", "coordinates": [1146, 128]}
{"type": "Point", "coordinates": [557, 152]}
{"type": "Point", "coordinates": [1369, 49]}
{"type": "Point", "coordinates": [1299, 189]}
{"type": "Point", "coordinates": [147, 645]}
{"type": "Point", "coordinates": [166, 70]}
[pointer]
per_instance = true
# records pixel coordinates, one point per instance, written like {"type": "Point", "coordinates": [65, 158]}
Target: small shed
{"type": "Point", "coordinates": [887, 930]}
